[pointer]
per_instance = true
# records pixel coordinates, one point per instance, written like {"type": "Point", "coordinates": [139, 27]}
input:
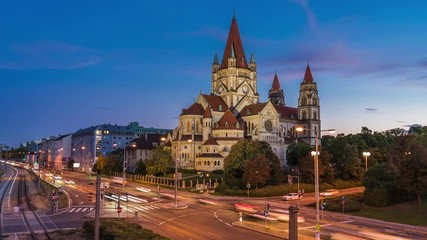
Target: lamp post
{"type": "Point", "coordinates": [366, 155]}
{"type": "Point", "coordinates": [316, 174]}
{"type": "Point", "coordinates": [176, 183]}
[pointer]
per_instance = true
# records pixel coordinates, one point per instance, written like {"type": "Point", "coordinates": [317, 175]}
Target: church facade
{"type": "Point", "coordinates": [232, 111]}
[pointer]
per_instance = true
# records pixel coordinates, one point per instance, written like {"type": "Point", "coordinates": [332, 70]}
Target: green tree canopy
{"type": "Point", "coordinates": [160, 162]}
{"type": "Point", "coordinates": [234, 163]}
{"type": "Point", "coordinates": [257, 171]}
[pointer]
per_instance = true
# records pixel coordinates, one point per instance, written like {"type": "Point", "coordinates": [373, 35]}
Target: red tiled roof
{"type": "Point", "coordinates": [228, 121]}
{"type": "Point", "coordinates": [276, 84]}
{"type": "Point", "coordinates": [234, 42]}
{"type": "Point", "coordinates": [207, 113]}
{"type": "Point", "coordinates": [211, 141]}
{"type": "Point", "coordinates": [215, 101]}
{"type": "Point", "coordinates": [195, 109]}
{"type": "Point", "coordinates": [252, 109]}
{"type": "Point", "coordinates": [308, 78]}
{"type": "Point", "coordinates": [287, 112]}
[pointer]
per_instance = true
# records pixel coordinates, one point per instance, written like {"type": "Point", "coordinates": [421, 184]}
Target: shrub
{"type": "Point", "coordinates": [218, 171]}
{"type": "Point", "coordinates": [340, 184]}
{"type": "Point", "coordinates": [222, 187]}
{"type": "Point", "coordinates": [377, 196]}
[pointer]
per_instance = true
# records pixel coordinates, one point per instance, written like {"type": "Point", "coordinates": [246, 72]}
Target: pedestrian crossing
{"type": "Point", "coordinates": [132, 208]}
{"type": "Point", "coordinates": [81, 209]}
{"type": "Point", "coordinates": [144, 208]}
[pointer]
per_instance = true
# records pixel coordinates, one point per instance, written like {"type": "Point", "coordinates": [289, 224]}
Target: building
{"type": "Point", "coordinates": [141, 149]}
{"type": "Point", "coordinates": [215, 122]}
{"type": "Point", "coordinates": [101, 140]}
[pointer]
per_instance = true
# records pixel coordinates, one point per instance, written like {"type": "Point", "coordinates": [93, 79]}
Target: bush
{"type": "Point", "coordinates": [111, 229]}
{"type": "Point", "coordinates": [377, 197]}
{"type": "Point", "coordinates": [222, 187]}
{"type": "Point", "coordinates": [218, 171]}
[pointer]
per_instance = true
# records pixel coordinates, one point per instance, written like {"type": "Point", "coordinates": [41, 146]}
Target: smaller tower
{"type": "Point", "coordinates": [309, 106]}
{"type": "Point", "coordinates": [252, 63]}
{"type": "Point", "coordinates": [215, 65]}
{"type": "Point", "coordinates": [207, 124]}
{"type": "Point", "coordinates": [275, 95]}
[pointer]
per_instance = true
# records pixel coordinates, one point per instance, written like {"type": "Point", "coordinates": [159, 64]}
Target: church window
{"type": "Point", "coordinates": [237, 125]}
{"type": "Point", "coordinates": [214, 150]}
{"type": "Point", "coordinates": [207, 149]}
{"type": "Point", "coordinates": [226, 124]}
{"type": "Point", "coordinates": [304, 115]}
{"type": "Point", "coordinates": [220, 107]}
{"type": "Point", "coordinates": [248, 111]}
{"type": "Point", "coordinates": [226, 134]}
{"type": "Point", "coordinates": [315, 115]}
{"type": "Point", "coordinates": [188, 126]}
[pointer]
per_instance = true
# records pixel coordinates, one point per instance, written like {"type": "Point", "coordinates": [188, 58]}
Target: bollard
{"type": "Point", "coordinates": [293, 222]}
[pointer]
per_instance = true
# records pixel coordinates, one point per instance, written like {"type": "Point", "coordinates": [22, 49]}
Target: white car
{"type": "Point", "coordinates": [291, 196]}
{"type": "Point", "coordinates": [329, 192]}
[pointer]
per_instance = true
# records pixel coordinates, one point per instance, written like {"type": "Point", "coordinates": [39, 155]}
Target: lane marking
{"type": "Point", "coordinates": [215, 235]}
{"type": "Point", "coordinates": [348, 221]}
{"type": "Point", "coordinates": [228, 224]}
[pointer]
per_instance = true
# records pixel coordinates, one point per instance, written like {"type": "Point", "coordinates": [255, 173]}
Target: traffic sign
{"type": "Point", "coordinates": [317, 227]}
{"type": "Point", "coordinates": [266, 213]}
{"type": "Point", "coordinates": [119, 210]}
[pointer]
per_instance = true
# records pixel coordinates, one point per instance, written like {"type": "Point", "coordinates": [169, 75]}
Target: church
{"type": "Point", "coordinates": [209, 128]}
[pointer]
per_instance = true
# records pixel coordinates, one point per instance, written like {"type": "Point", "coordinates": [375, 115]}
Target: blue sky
{"type": "Point", "coordinates": [66, 65]}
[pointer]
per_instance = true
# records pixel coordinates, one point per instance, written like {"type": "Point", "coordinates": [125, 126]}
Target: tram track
{"type": "Point", "coordinates": [34, 224]}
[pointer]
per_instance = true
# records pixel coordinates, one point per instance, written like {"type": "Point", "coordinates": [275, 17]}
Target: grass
{"type": "Point", "coordinates": [406, 213]}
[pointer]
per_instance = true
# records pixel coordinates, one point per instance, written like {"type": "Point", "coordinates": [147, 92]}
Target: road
{"type": "Point", "coordinates": [196, 220]}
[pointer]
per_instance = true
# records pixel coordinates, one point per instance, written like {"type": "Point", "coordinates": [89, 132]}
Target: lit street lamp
{"type": "Point", "coordinates": [316, 173]}
{"type": "Point", "coordinates": [366, 155]}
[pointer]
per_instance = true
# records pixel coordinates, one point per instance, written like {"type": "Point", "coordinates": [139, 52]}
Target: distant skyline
{"type": "Point", "coordinates": [70, 65]}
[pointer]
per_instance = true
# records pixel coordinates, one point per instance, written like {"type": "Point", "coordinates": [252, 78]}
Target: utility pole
{"type": "Point", "coordinates": [98, 204]}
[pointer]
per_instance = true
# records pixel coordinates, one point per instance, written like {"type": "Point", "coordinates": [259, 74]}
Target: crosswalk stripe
{"type": "Point", "coordinates": [140, 208]}
{"type": "Point", "coordinates": [72, 209]}
{"type": "Point", "coordinates": [84, 209]}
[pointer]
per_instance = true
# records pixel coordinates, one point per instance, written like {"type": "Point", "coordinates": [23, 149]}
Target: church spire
{"type": "Point", "coordinates": [215, 59]}
{"type": "Point", "coordinates": [234, 47]}
{"type": "Point", "coordinates": [276, 84]}
{"type": "Point", "coordinates": [276, 95]}
{"type": "Point", "coordinates": [308, 77]}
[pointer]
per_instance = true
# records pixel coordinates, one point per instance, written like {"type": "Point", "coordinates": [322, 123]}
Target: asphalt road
{"type": "Point", "coordinates": [215, 221]}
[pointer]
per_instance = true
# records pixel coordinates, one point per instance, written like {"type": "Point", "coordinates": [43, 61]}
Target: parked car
{"type": "Point", "coordinates": [329, 192]}
{"type": "Point", "coordinates": [291, 196]}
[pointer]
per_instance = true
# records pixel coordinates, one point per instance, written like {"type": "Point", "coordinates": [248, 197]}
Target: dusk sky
{"type": "Point", "coordinates": [66, 65]}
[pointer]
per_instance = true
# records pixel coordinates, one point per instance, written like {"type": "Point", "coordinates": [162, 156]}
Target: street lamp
{"type": "Point", "coordinates": [316, 174]}
{"type": "Point", "coordinates": [366, 155]}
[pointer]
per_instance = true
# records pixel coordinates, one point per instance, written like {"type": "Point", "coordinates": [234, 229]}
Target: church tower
{"type": "Point", "coordinates": [275, 95]}
{"type": "Point", "coordinates": [309, 108]}
{"type": "Point", "coordinates": [233, 79]}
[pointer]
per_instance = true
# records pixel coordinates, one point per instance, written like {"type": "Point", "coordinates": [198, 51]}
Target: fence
{"type": "Point", "coordinates": [163, 181]}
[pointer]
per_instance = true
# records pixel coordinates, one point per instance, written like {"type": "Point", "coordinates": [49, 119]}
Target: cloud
{"type": "Point", "coordinates": [311, 17]}
{"type": "Point", "coordinates": [48, 55]}
{"type": "Point", "coordinates": [371, 110]}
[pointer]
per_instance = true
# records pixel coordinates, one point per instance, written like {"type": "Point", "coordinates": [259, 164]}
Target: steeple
{"type": "Point", "coordinates": [215, 59]}
{"type": "Point", "coordinates": [276, 84]}
{"type": "Point", "coordinates": [234, 47]}
{"type": "Point", "coordinates": [252, 63]}
{"type": "Point", "coordinates": [252, 58]}
{"type": "Point", "coordinates": [308, 77]}
{"type": "Point", "coordinates": [275, 95]}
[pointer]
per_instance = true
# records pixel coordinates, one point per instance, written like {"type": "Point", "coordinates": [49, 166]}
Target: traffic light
{"type": "Point", "coordinates": [268, 207]}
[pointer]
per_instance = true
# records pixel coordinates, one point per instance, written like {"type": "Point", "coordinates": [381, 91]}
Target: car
{"type": "Point", "coordinates": [329, 192]}
{"type": "Point", "coordinates": [291, 196]}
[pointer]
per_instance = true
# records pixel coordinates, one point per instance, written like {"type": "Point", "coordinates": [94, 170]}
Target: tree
{"type": "Point", "coordinates": [413, 172]}
{"type": "Point", "coordinates": [160, 162]}
{"type": "Point", "coordinates": [247, 149]}
{"type": "Point", "coordinates": [296, 152]}
{"type": "Point", "coordinates": [257, 170]}
{"type": "Point", "coordinates": [140, 168]}
{"type": "Point", "coordinates": [326, 169]}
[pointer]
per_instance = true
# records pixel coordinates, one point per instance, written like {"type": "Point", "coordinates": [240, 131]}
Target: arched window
{"type": "Point", "coordinates": [304, 115]}
{"type": "Point", "coordinates": [220, 107]}
{"type": "Point", "coordinates": [226, 124]}
{"type": "Point", "coordinates": [315, 115]}
{"type": "Point", "coordinates": [188, 126]}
